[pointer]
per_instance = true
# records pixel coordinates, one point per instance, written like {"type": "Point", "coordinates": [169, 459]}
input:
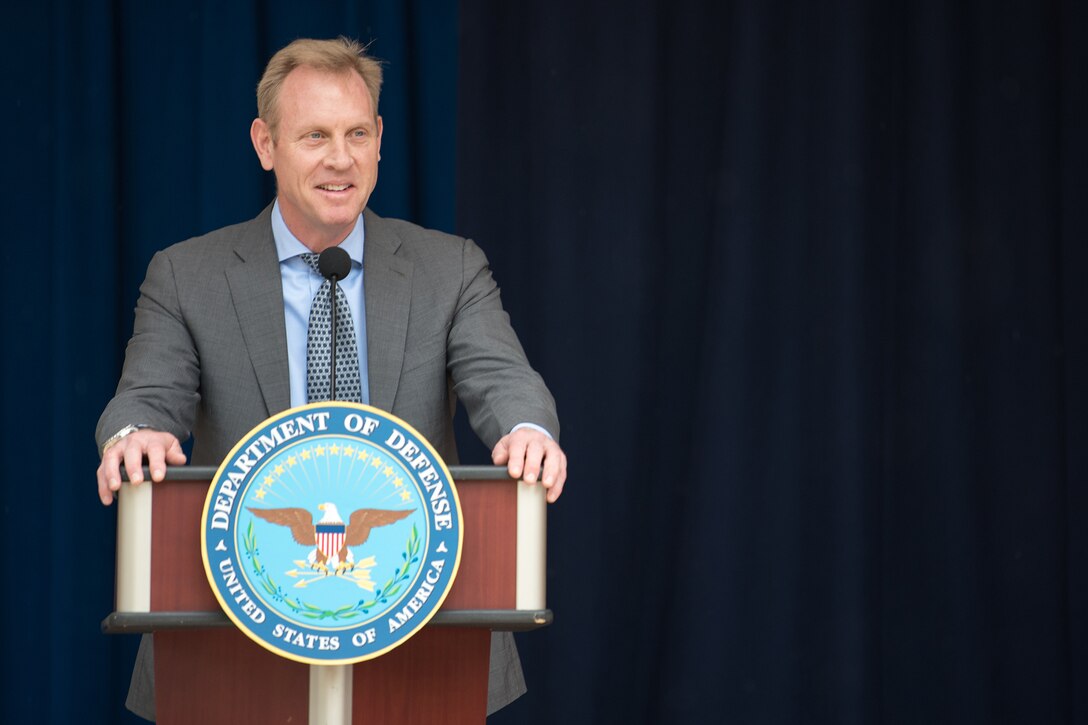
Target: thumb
{"type": "Point", "coordinates": [174, 455]}
{"type": "Point", "coordinates": [500, 453]}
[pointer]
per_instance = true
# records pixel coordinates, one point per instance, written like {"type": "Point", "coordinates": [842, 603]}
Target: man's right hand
{"type": "Point", "coordinates": [159, 448]}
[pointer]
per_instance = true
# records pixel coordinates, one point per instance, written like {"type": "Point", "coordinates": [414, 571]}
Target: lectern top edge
{"type": "Point", "coordinates": [206, 473]}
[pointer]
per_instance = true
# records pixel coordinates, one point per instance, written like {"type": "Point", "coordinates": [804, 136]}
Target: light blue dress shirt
{"type": "Point", "coordinates": [300, 284]}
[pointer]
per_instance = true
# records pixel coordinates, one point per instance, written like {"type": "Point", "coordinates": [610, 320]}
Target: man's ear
{"type": "Point", "coordinates": [379, 138]}
{"type": "Point", "coordinates": [261, 136]}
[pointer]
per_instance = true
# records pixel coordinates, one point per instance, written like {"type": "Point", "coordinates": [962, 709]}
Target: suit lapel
{"type": "Point", "coordinates": [387, 279]}
{"type": "Point", "coordinates": [257, 291]}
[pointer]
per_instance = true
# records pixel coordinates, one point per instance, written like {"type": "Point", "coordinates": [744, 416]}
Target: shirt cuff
{"type": "Point", "coordinates": [534, 426]}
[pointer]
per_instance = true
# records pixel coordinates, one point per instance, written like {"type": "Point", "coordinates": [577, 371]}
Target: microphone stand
{"type": "Point", "coordinates": [333, 264]}
{"type": "Point", "coordinates": [332, 352]}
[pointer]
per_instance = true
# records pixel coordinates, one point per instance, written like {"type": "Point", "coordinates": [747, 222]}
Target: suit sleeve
{"type": "Point", "coordinates": [490, 372]}
{"type": "Point", "coordinates": [161, 376]}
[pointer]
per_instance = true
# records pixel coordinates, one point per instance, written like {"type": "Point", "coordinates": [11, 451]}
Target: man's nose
{"type": "Point", "coordinates": [338, 156]}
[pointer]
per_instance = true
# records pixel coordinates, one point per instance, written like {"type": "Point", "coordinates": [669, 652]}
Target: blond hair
{"type": "Point", "coordinates": [335, 56]}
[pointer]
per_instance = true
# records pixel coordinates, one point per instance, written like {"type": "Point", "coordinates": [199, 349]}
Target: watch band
{"type": "Point", "coordinates": [119, 435]}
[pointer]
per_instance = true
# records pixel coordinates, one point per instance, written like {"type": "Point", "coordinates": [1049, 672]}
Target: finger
{"type": "Point", "coordinates": [534, 454]}
{"type": "Point", "coordinates": [516, 456]}
{"type": "Point", "coordinates": [104, 492]}
{"type": "Point", "coordinates": [554, 493]}
{"type": "Point", "coordinates": [134, 460]}
{"type": "Point", "coordinates": [552, 455]}
{"type": "Point", "coordinates": [111, 470]}
{"type": "Point", "coordinates": [556, 489]}
{"type": "Point", "coordinates": [156, 460]}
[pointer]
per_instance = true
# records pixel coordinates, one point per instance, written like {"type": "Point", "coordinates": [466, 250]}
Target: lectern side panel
{"type": "Point", "coordinates": [532, 546]}
{"type": "Point", "coordinates": [134, 548]}
{"type": "Point", "coordinates": [215, 676]}
{"type": "Point", "coordinates": [178, 582]}
{"type": "Point", "coordinates": [487, 577]}
{"type": "Point", "coordinates": [438, 677]}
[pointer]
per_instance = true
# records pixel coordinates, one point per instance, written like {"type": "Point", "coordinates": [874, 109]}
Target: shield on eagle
{"type": "Point", "coordinates": [330, 539]}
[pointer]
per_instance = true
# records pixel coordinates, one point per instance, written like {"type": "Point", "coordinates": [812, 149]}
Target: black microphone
{"type": "Point", "coordinates": [334, 264]}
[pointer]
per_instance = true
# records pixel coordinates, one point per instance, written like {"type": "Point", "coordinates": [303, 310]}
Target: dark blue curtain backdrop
{"type": "Point", "coordinates": [807, 281]}
{"type": "Point", "coordinates": [127, 127]}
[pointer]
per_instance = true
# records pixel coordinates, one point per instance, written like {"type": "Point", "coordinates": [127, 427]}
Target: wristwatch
{"type": "Point", "coordinates": [118, 436]}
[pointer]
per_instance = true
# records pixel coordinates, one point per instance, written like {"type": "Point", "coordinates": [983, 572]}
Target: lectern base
{"type": "Point", "coordinates": [231, 680]}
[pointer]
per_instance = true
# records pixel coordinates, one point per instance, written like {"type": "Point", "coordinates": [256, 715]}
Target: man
{"type": "Point", "coordinates": [219, 340]}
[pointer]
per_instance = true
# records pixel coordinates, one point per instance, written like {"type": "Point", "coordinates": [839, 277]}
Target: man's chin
{"type": "Point", "coordinates": [337, 216]}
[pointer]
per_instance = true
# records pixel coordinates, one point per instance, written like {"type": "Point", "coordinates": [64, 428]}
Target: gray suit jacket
{"type": "Point", "coordinates": [208, 354]}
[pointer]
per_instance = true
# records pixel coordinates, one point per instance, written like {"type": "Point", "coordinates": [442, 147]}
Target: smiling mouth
{"type": "Point", "coordinates": [334, 187]}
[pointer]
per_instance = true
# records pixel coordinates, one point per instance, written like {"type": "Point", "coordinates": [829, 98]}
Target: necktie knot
{"type": "Point", "coordinates": [310, 258]}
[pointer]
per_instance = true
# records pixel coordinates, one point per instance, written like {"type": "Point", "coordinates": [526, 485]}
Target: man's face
{"type": "Point", "coordinates": [325, 153]}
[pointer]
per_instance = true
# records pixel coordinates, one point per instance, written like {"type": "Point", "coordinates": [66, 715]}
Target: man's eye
{"type": "Point", "coordinates": [314, 136]}
{"type": "Point", "coordinates": [360, 133]}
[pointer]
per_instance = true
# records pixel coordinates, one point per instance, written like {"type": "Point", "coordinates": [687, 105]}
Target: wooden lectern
{"type": "Point", "coordinates": [206, 671]}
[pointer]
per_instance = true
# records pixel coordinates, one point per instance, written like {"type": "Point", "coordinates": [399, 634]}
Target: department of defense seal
{"type": "Point", "coordinates": [331, 533]}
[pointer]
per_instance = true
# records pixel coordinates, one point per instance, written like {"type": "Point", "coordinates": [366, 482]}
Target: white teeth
{"type": "Point", "coordinates": [333, 187]}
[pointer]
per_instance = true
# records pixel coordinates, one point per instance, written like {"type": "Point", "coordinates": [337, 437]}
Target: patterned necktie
{"type": "Point", "coordinates": [319, 344]}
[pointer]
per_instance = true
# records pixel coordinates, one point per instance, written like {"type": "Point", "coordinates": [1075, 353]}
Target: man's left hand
{"type": "Point", "coordinates": [530, 455]}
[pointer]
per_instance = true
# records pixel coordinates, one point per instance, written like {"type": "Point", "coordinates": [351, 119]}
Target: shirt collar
{"type": "Point", "coordinates": [288, 245]}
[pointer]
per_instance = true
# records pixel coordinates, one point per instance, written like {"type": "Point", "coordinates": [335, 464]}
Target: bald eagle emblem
{"type": "Point", "coordinates": [329, 536]}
